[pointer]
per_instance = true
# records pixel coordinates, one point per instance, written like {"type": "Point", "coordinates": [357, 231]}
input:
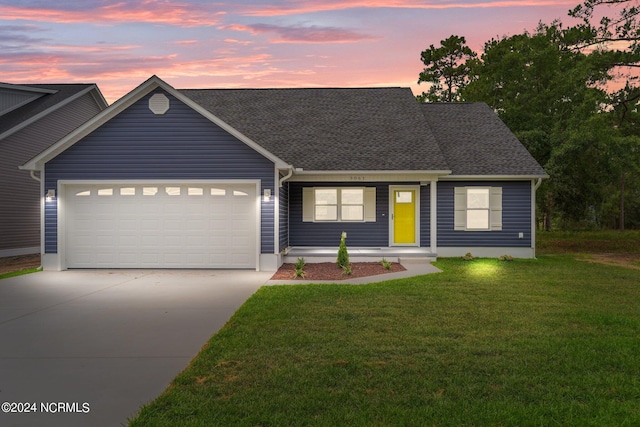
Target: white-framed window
{"type": "Point", "coordinates": [339, 204]}
{"type": "Point", "coordinates": [478, 208]}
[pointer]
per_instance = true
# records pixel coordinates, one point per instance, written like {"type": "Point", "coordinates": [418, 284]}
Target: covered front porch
{"type": "Point", "coordinates": [358, 254]}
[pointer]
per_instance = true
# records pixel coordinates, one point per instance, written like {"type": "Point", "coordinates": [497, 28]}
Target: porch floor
{"type": "Point", "coordinates": [329, 254]}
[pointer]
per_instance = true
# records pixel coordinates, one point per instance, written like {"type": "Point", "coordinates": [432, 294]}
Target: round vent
{"type": "Point", "coordinates": [159, 103]}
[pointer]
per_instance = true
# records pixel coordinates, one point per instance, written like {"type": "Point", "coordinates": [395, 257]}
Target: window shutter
{"type": "Point", "coordinates": [496, 208]}
{"type": "Point", "coordinates": [307, 204]}
{"type": "Point", "coordinates": [460, 209]}
{"type": "Point", "coordinates": [370, 204]}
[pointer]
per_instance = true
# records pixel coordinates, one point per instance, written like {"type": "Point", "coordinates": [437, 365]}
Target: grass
{"type": "Point", "coordinates": [552, 341]}
{"type": "Point", "coordinates": [588, 242]}
{"type": "Point", "coordinates": [19, 272]}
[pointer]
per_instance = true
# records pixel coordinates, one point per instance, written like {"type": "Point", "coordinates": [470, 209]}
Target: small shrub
{"type": "Point", "coordinates": [505, 257]}
{"type": "Point", "coordinates": [386, 264]}
{"type": "Point", "coordinates": [299, 273]}
{"type": "Point", "coordinates": [468, 257]}
{"type": "Point", "coordinates": [343, 254]}
{"type": "Point", "coordinates": [347, 270]}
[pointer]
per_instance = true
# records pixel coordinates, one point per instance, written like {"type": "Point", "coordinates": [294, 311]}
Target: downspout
{"type": "Point", "coordinates": [533, 216]}
{"type": "Point", "coordinates": [280, 182]}
{"type": "Point", "coordinates": [538, 184]}
{"type": "Point", "coordinates": [286, 177]}
{"type": "Point", "coordinates": [33, 175]}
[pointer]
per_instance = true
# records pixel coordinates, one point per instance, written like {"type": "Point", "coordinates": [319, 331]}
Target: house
{"type": "Point", "coordinates": [32, 118]}
{"type": "Point", "coordinates": [248, 178]}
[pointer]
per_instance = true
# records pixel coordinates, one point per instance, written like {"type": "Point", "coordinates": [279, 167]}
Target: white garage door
{"type": "Point", "coordinates": [160, 226]}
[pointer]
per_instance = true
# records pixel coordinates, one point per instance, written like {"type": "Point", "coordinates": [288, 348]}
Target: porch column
{"type": "Point", "coordinates": [434, 216]}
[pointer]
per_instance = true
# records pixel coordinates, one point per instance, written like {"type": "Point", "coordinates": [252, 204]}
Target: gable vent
{"type": "Point", "coordinates": [159, 104]}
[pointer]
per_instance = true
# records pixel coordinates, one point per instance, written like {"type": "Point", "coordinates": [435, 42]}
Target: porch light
{"type": "Point", "coordinates": [51, 194]}
{"type": "Point", "coordinates": [266, 195]}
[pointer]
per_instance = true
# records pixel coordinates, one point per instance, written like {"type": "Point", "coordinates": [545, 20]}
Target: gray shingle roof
{"type": "Point", "coordinates": [330, 129]}
{"type": "Point", "coordinates": [475, 141]}
{"type": "Point", "coordinates": [37, 106]}
{"type": "Point", "coordinates": [325, 129]}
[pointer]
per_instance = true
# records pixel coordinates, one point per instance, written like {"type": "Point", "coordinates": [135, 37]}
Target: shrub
{"type": "Point", "coordinates": [343, 254]}
{"type": "Point", "coordinates": [505, 257]}
{"type": "Point", "coordinates": [468, 257]}
{"type": "Point", "coordinates": [299, 273]}
{"type": "Point", "coordinates": [386, 264]}
{"type": "Point", "coordinates": [347, 270]}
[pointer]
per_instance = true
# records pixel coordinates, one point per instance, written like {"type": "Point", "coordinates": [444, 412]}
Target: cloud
{"type": "Point", "coordinates": [296, 7]}
{"type": "Point", "coordinates": [148, 11]}
{"type": "Point", "coordinates": [301, 34]}
{"type": "Point", "coordinates": [12, 37]}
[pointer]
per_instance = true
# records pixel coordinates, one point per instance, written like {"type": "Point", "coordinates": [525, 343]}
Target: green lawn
{"type": "Point", "coordinates": [552, 341]}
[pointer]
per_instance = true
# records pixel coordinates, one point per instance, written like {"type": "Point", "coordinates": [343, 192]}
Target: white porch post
{"type": "Point", "coordinates": [434, 216]}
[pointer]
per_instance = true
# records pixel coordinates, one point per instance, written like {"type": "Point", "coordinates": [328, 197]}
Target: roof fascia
{"type": "Point", "coordinates": [53, 108]}
{"type": "Point", "coordinates": [493, 177]}
{"type": "Point", "coordinates": [368, 175]}
{"type": "Point", "coordinates": [27, 88]}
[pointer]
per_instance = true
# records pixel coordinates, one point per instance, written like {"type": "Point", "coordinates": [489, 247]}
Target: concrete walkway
{"type": "Point", "coordinates": [414, 267]}
{"type": "Point", "coordinates": [88, 348]}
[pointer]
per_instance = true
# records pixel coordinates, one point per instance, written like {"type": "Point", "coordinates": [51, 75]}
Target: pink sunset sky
{"type": "Point", "coordinates": [241, 44]}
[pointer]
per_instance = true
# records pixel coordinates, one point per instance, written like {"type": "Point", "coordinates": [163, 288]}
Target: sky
{"type": "Point", "coordinates": [247, 44]}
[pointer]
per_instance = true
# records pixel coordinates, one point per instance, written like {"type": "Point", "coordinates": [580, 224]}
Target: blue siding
{"type": "Point", "coordinates": [181, 144]}
{"type": "Point", "coordinates": [516, 216]}
{"type": "Point", "coordinates": [368, 234]}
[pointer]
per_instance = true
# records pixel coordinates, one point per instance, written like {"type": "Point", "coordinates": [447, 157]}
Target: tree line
{"type": "Point", "coordinates": [571, 96]}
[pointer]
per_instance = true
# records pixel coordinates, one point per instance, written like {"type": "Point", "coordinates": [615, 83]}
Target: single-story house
{"type": "Point", "coordinates": [32, 118]}
{"type": "Point", "coordinates": [247, 178]}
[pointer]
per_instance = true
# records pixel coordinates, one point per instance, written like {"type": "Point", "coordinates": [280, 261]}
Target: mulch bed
{"type": "Point", "coordinates": [330, 271]}
{"type": "Point", "coordinates": [17, 263]}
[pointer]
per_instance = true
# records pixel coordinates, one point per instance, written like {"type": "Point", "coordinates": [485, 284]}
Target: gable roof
{"type": "Point", "coordinates": [475, 141]}
{"type": "Point", "coordinates": [51, 97]}
{"type": "Point", "coordinates": [328, 129]}
{"type": "Point", "coordinates": [345, 130]}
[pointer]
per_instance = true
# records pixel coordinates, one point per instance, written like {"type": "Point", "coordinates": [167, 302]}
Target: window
{"type": "Point", "coordinates": [128, 191]}
{"type": "Point", "coordinates": [195, 191]}
{"type": "Point", "coordinates": [172, 191]}
{"type": "Point", "coordinates": [105, 192]}
{"type": "Point", "coordinates": [348, 204]}
{"type": "Point", "coordinates": [478, 209]}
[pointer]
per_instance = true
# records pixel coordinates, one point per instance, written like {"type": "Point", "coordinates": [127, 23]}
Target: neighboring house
{"type": "Point", "coordinates": [32, 118]}
{"type": "Point", "coordinates": [246, 178]}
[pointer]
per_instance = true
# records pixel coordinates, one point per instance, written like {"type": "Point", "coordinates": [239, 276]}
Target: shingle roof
{"type": "Point", "coordinates": [475, 141]}
{"type": "Point", "coordinates": [327, 129]}
{"type": "Point", "coordinates": [37, 106]}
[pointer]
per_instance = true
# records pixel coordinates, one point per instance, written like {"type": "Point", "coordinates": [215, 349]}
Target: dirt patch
{"type": "Point", "coordinates": [620, 260]}
{"type": "Point", "coordinates": [17, 263]}
{"type": "Point", "coordinates": [330, 271]}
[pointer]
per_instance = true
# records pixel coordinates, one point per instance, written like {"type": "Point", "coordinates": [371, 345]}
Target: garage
{"type": "Point", "coordinates": [160, 225]}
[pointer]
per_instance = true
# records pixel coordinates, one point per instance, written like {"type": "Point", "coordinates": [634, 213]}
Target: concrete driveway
{"type": "Point", "coordinates": [88, 348]}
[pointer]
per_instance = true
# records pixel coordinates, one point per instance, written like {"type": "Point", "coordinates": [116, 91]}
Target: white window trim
{"type": "Point", "coordinates": [460, 209]}
{"type": "Point", "coordinates": [368, 204]}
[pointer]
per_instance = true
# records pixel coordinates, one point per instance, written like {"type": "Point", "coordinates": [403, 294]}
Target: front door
{"type": "Point", "coordinates": [403, 216]}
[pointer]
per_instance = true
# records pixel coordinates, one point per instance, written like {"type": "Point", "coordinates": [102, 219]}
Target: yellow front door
{"type": "Point", "coordinates": [404, 217]}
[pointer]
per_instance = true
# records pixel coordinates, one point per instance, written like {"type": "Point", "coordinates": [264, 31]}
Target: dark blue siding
{"type": "Point", "coordinates": [516, 216]}
{"type": "Point", "coordinates": [181, 144]}
{"type": "Point", "coordinates": [284, 216]}
{"type": "Point", "coordinates": [367, 234]}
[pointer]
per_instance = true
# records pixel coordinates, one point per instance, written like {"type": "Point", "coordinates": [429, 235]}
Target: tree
{"type": "Point", "coordinates": [446, 69]}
